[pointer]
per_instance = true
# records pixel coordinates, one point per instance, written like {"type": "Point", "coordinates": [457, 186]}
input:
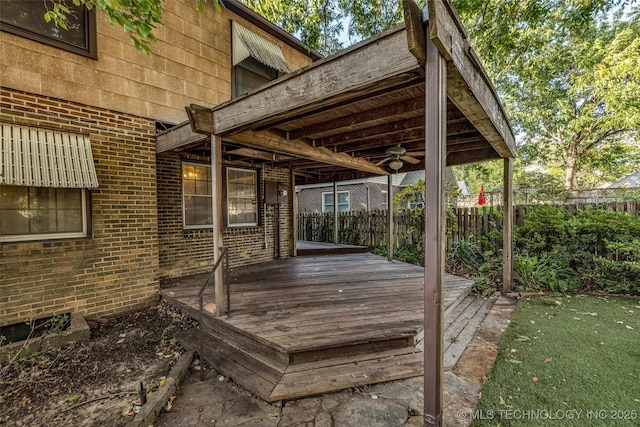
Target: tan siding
{"type": "Point", "coordinates": [191, 63]}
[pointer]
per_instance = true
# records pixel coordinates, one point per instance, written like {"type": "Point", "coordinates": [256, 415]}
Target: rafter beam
{"type": "Point", "coordinates": [270, 141]}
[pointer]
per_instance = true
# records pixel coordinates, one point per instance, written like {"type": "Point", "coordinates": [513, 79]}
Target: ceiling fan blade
{"type": "Point", "coordinates": [410, 159]}
{"type": "Point", "coordinates": [383, 161]}
{"type": "Point", "coordinates": [416, 153]}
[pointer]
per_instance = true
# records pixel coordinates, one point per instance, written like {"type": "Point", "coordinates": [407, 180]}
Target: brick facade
{"type": "Point", "coordinates": [184, 252]}
{"type": "Point", "coordinates": [116, 268]}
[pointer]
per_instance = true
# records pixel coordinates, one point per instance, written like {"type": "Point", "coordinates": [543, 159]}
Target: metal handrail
{"type": "Point", "coordinates": [211, 279]}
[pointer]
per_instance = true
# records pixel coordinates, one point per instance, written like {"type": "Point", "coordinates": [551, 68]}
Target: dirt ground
{"type": "Point", "coordinates": [95, 382]}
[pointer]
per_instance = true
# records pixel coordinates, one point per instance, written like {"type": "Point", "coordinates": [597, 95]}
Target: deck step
{"type": "Point", "coordinates": [461, 330]}
{"type": "Point", "coordinates": [251, 371]}
{"type": "Point", "coordinates": [316, 378]}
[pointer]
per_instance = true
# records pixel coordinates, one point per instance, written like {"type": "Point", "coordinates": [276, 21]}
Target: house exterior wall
{"type": "Point", "coordinates": [184, 252]}
{"type": "Point", "coordinates": [190, 63]}
{"type": "Point", "coordinates": [115, 269]}
{"type": "Point", "coordinates": [367, 196]}
{"type": "Point", "coordinates": [116, 99]}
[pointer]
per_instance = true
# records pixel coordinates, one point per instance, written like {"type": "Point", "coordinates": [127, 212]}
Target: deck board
{"type": "Point", "coordinates": [321, 313]}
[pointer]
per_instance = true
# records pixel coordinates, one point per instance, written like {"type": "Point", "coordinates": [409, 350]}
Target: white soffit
{"type": "Point", "coordinates": [38, 157]}
{"type": "Point", "coordinates": [246, 44]}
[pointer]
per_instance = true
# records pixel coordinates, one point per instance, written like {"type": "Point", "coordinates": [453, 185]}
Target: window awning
{"type": "Point", "coordinates": [45, 158]}
{"type": "Point", "coordinates": [246, 44]}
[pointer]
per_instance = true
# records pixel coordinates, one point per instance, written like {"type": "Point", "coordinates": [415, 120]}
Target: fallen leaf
{"type": "Point", "coordinates": [629, 327]}
{"type": "Point", "coordinates": [547, 360]}
{"type": "Point", "coordinates": [122, 335]}
{"type": "Point", "coordinates": [558, 302]}
{"type": "Point", "coordinates": [73, 398]}
{"type": "Point", "coordinates": [445, 393]}
{"type": "Point", "coordinates": [514, 361]}
{"type": "Point", "coordinates": [120, 341]}
{"type": "Point", "coordinates": [534, 379]}
{"type": "Point", "coordinates": [523, 338]}
{"type": "Point", "coordinates": [502, 402]}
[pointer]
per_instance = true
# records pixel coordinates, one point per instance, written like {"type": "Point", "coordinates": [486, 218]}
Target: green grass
{"type": "Point", "coordinates": [567, 355]}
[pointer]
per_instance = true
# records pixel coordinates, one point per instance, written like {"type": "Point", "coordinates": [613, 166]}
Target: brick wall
{"type": "Point", "coordinates": [114, 270]}
{"type": "Point", "coordinates": [185, 252]}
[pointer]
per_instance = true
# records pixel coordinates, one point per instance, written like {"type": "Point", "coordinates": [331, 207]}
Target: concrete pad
{"type": "Point", "coordinates": [365, 411]}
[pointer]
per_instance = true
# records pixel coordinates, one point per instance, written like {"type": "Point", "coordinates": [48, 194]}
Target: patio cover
{"type": "Point", "coordinates": [420, 86]}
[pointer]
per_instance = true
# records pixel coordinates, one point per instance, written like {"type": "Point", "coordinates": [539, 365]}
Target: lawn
{"type": "Point", "coordinates": [566, 361]}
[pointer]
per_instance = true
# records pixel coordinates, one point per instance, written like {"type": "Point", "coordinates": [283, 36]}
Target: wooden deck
{"type": "Point", "coordinates": [308, 325]}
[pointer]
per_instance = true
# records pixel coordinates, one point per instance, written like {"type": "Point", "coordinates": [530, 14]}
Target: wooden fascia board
{"type": "Point", "coordinates": [266, 140]}
{"type": "Point", "coordinates": [321, 83]}
{"type": "Point", "coordinates": [179, 137]}
{"type": "Point", "coordinates": [468, 86]}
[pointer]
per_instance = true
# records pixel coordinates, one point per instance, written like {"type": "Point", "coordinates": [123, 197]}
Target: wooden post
{"type": "Point", "coordinates": [335, 212]}
{"type": "Point", "coordinates": [435, 146]}
{"type": "Point", "coordinates": [216, 194]}
{"type": "Point", "coordinates": [507, 227]}
{"type": "Point", "coordinates": [390, 217]}
{"type": "Point", "coordinates": [294, 215]}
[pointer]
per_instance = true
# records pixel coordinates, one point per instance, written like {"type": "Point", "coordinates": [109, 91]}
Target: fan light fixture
{"type": "Point", "coordinates": [395, 164]}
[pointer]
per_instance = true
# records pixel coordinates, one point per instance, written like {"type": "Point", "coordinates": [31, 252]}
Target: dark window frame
{"type": "Point", "coordinates": [90, 51]}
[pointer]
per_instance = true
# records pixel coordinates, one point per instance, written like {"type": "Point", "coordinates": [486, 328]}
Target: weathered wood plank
{"type": "Point", "coordinates": [316, 85]}
{"type": "Point", "coordinates": [468, 86]}
{"type": "Point", "coordinates": [179, 137]}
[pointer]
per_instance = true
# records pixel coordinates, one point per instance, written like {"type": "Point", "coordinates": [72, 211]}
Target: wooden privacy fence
{"type": "Point", "coordinates": [482, 225]}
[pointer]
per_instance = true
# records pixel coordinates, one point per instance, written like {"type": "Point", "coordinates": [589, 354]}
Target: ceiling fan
{"type": "Point", "coordinates": [398, 154]}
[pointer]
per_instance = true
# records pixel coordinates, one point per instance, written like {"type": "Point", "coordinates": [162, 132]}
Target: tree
{"type": "Point", "coordinates": [138, 18]}
{"type": "Point", "coordinates": [570, 74]}
{"type": "Point", "coordinates": [317, 23]}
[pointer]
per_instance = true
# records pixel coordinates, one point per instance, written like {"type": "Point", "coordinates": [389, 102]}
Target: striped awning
{"type": "Point", "coordinates": [246, 44]}
{"type": "Point", "coordinates": [38, 157]}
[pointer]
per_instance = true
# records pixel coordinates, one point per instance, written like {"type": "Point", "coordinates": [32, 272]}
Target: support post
{"type": "Point", "coordinates": [507, 227]}
{"type": "Point", "coordinates": [335, 212]}
{"type": "Point", "coordinates": [216, 194]}
{"type": "Point", "coordinates": [294, 215]}
{"type": "Point", "coordinates": [390, 217]}
{"type": "Point", "coordinates": [435, 147]}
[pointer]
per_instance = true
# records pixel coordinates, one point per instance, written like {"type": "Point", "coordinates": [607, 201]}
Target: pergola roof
{"type": "Point", "coordinates": [334, 119]}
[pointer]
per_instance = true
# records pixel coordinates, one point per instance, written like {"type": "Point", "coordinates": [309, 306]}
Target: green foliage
{"type": "Point", "coordinates": [541, 273]}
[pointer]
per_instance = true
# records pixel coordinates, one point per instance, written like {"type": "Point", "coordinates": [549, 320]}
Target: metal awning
{"type": "Point", "coordinates": [247, 44]}
{"type": "Point", "coordinates": [45, 158]}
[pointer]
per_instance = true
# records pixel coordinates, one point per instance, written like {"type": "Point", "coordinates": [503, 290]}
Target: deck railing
{"type": "Point", "coordinates": [211, 279]}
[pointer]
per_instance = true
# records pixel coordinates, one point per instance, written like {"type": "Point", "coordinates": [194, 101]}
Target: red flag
{"type": "Point", "coordinates": [481, 199]}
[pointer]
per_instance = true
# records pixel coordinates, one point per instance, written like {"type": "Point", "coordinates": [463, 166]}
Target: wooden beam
{"type": "Point", "coordinates": [200, 119]}
{"type": "Point", "coordinates": [322, 83]}
{"type": "Point", "coordinates": [179, 138]}
{"type": "Point", "coordinates": [416, 38]}
{"type": "Point", "coordinates": [435, 225]}
{"type": "Point", "coordinates": [390, 128]}
{"type": "Point", "coordinates": [269, 141]}
{"type": "Point", "coordinates": [401, 110]}
{"type": "Point", "coordinates": [403, 136]}
{"type": "Point", "coordinates": [294, 214]}
{"type": "Point", "coordinates": [464, 157]}
{"type": "Point", "coordinates": [335, 212]}
{"type": "Point", "coordinates": [216, 195]}
{"type": "Point", "coordinates": [258, 154]}
{"type": "Point", "coordinates": [468, 86]}
{"type": "Point", "coordinates": [389, 217]}
{"type": "Point", "coordinates": [507, 227]}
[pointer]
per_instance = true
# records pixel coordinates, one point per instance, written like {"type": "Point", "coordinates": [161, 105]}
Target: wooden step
{"type": "Point", "coordinates": [256, 374]}
{"type": "Point", "coordinates": [316, 378]}
{"type": "Point", "coordinates": [461, 331]}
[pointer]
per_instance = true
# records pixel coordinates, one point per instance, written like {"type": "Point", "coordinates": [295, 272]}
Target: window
{"type": "Point", "coordinates": [242, 197]}
{"type": "Point", "coordinates": [196, 196]}
{"type": "Point", "coordinates": [343, 202]}
{"type": "Point", "coordinates": [383, 202]}
{"type": "Point", "coordinates": [36, 213]}
{"type": "Point", "coordinates": [26, 19]}
{"type": "Point", "coordinates": [255, 60]}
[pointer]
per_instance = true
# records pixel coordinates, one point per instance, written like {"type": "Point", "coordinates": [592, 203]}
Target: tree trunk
{"type": "Point", "coordinates": [570, 161]}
